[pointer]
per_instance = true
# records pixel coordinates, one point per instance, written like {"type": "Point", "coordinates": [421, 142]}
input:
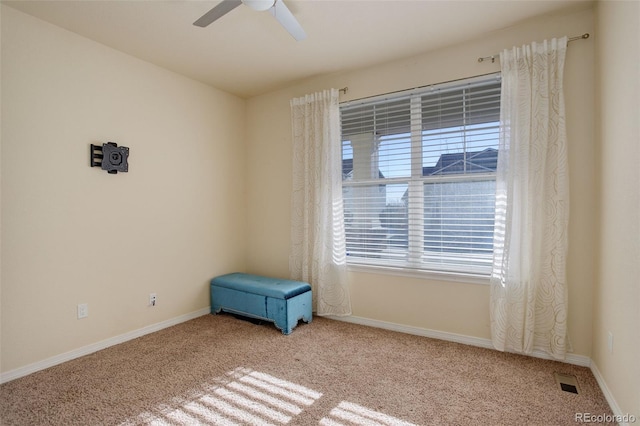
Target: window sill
{"type": "Point", "coordinates": [414, 273]}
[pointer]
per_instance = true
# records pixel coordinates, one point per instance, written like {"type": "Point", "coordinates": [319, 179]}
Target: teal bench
{"type": "Point", "coordinates": [283, 302]}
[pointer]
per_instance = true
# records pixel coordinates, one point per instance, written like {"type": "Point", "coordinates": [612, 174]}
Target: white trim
{"type": "Point", "coordinates": [581, 360]}
{"type": "Point", "coordinates": [103, 344]}
{"type": "Point", "coordinates": [607, 394]}
{"type": "Point", "coordinates": [418, 273]}
{"type": "Point", "coordinates": [424, 332]}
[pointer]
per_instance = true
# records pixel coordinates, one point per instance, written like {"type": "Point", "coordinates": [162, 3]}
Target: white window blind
{"type": "Point", "coordinates": [419, 177]}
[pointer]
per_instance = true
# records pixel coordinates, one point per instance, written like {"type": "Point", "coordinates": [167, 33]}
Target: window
{"type": "Point", "coordinates": [418, 177]}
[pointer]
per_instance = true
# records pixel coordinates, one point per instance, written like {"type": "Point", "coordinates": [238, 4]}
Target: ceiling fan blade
{"type": "Point", "coordinates": [282, 13]}
{"type": "Point", "coordinates": [218, 11]}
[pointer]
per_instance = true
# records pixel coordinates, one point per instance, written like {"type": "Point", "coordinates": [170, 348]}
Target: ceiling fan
{"type": "Point", "coordinates": [277, 8]}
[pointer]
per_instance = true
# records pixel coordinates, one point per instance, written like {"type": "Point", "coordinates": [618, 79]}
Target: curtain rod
{"type": "Point", "coordinates": [493, 57]}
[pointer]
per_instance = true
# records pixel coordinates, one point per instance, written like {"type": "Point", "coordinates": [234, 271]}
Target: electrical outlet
{"type": "Point", "coordinates": [152, 299]}
{"type": "Point", "coordinates": [610, 342]}
{"type": "Point", "coordinates": [83, 310]}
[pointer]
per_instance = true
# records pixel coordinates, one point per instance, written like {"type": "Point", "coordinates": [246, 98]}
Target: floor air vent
{"type": "Point", "coordinates": [567, 382]}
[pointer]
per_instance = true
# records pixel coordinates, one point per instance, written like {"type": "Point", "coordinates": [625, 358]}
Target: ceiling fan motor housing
{"type": "Point", "coordinates": [259, 5]}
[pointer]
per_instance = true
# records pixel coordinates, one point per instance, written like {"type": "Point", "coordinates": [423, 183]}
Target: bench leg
{"type": "Point", "coordinates": [298, 307]}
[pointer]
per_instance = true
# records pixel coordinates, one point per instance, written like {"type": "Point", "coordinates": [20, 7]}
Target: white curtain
{"type": "Point", "coordinates": [318, 252]}
{"type": "Point", "coordinates": [528, 283]}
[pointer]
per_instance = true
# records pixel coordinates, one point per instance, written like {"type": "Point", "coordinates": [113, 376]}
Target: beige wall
{"type": "Point", "coordinates": [452, 307]}
{"type": "Point", "coordinates": [617, 293]}
{"type": "Point", "coordinates": [75, 234]}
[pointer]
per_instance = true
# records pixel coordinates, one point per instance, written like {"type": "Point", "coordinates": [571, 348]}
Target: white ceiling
{"type": "Point", "coordinates": [248, 53]}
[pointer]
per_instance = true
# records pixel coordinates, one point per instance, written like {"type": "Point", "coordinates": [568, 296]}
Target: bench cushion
{"type": "Point", "coordinates": [255, 284]}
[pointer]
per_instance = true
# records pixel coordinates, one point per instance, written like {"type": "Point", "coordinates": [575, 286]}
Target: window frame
{"type": "Point", "coordinates": [415, 265]}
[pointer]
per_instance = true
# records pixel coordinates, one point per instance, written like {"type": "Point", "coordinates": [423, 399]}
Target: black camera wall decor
{"type": "Point", "coordinates": [110, 157]}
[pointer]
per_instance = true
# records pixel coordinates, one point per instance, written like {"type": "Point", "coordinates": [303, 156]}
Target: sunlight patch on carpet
{"type": "Point", "coordinates": [242, 396]}
{"type": "Point", "coordinates": [350, 414]}
{"type": "Point", "coordinates": [296, 393]}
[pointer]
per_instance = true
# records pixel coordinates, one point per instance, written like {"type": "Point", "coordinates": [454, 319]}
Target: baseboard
{"type": "Point", "coordinates": [94, 347]}
{"type": "Point", "coordinates": [424, 332]}
{"type": "Point", "coordinates": [580, 360]}
{"type": "Point", "coordinates": [617, 412]}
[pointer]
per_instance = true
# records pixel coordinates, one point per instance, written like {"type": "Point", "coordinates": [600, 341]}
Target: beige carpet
{"type": "Point", "coordinates": [218, 370]}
